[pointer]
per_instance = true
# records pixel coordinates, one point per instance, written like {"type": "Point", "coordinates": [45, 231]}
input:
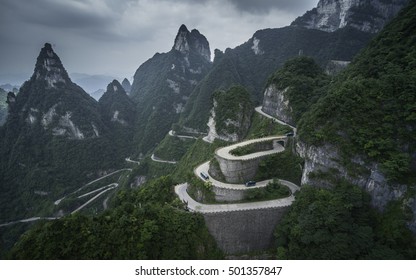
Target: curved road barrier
{"type": "Point", "coordinates": [181, 190]}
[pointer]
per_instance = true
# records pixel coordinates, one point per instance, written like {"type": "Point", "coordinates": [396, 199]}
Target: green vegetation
{"type": "Point", "coordinates": [37, 166]}
{"type": "Point", "coordinates": [149, 169]}
{"type": "Point", "coordinates": [160, 91]}
{"type": "Point", "coordinates": [305, 82]}
{"type": "Point", "coordinates": [201, 191]}
{"type": "Point", "coordinates": [145, 224]}
{"type": "Point", "coordinates": [262, 126]}
{"type": "Point", "coordinates": [369, 110]}
{"type": "Point", "coordinates": [339, 223]}
{"type": "Point", "coordinates": [233, 111]}
{"type": "Point", "coordinates": [73, 201]}
{"type": "Point", "coordinates": [252, 148]}
{"type": "Point", "coordinates": [173, 148]}
{"type": "Point", "coordinates": [285, 165]}
{"type": "Point", "coordinates": [273, 190]}
{"type": "Point", "coordinates": [200, 152]}
{"type": "Point", "coordinates": [222, 76]}
{"type": "Point", "coordinates": [119, 114]}
{"type": "Point", "coordinates": [241, 66]}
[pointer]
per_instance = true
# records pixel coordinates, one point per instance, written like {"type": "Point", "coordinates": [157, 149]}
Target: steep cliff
{"type": "Point", "coordinates": [53, 140]}
{"type": "Point", "coordinates": [230, 115]}
{"type": "Point", "coordinates": [162, 85]}
{"type": "Point", "coordinates": [293, 89]}
{"type": "Point", "coordinates": [368, 16]}
{"type": "Point", "coordinates": [252, 63]}
{"type": "Point", "coordinates": [363, 129]}
{"type": "Point", "coordinates": [119, 114]}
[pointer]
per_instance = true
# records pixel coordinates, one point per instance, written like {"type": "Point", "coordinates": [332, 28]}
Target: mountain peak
{"type": "Point", "coordinates": [194, 41]}
{"type": "Point", "coordinates": [183, 28]}
{"type": "Point", "coordinates": [364, 15]}
{"type": "Point", "coordinates": [49, 68]}
{"type": "Point", "coordinates": [115, 87]}
{"type": "Point", "coordinates": [126, 85]}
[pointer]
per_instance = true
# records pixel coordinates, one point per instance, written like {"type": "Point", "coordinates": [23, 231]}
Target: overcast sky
{"type": "Point", "coordinates": [114, 37]}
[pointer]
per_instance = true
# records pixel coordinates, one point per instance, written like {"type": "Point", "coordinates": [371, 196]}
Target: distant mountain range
{"type": "Point", "coordinates": [357, 125]}
{"type": "Point", "coordinates": [92, 84]}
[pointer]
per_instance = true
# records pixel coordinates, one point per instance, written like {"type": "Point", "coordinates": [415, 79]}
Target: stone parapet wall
{"type": "Point", "coordinates": [238, 171]}
{"type": "Point", "coordinates": [244, 231]}
{"type": "Point", "coordinates": [228, 195]}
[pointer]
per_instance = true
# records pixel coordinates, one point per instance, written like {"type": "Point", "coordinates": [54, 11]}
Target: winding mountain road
{"type": "Point", "coordinates": [94, 181]}
{"type": "Point", "coordinates": [110, 187]}
{"type": "Point", "coordinates": [181, 190]}
{"type": "Point", "coordinates": [206, 139]}
{"type": "Point", "coordinates": [173, 134]}
{"type": "Point", "coordinates": [132, 161]}
{"type": "Point", "coordinates": [258, 110]}
{"type": "Point", "coordinates": [154, 158]}
{"type": "Point", "coordinates": [28, 220]}
{"type": "Point", "coordinates": [103, 190]}
{"type": "Point", "coordinates": [225, 151]}
{"type": "Point", "coordinates": [205, 166]}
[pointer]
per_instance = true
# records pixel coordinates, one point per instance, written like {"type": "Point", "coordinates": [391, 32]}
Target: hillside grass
{"type": "Point", "coordinates": [173, 148]}
{"type": "Point", "coordinates": [262, 126]}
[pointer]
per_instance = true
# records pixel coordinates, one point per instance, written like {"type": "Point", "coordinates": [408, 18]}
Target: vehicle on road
{"type": "Point", "coordinates": [204, 176]}
{"type": "Point", "coordinates": [250, 183]}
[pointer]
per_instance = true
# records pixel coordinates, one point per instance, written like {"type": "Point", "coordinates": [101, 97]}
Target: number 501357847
{"type": "Point", "coordinates": [255, 270]}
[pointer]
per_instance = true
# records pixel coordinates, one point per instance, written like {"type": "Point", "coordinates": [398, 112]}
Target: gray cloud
{"type": "Point", "coordinates": [60, 14]}
{"type": "Point", "coordinates": [265, 6]}
{"type": "Point", "coordinates": [114, 37]}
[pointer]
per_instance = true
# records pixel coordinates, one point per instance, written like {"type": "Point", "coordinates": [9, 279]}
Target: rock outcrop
{"type": "Point", "coordinates": [126, 85]}
{"type": "Point", "coordinates": [230, 115]}
{"type": "Point", "coordinates": [186, 42]}
{"type": "Point", "coordinates": [276, 104]}
{"type": "Point", "coordinates": [116, 107]}
{"type": "Point", "coordinates": [365, 15]}
{"type": "Point", "coordinates": [162, 85]}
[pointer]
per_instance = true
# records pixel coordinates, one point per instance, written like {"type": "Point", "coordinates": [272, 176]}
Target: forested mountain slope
{"type": "Point", "coordinates": [54, 140]}
{"type": "Point", "coordinates": [364, 128]}
{"type": "Point", "coordinates": [162, 85]}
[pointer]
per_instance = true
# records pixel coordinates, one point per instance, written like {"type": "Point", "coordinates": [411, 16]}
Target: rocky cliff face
{"type": "Point", "coordinates": [51, 101]}
{"type": "Point", "coordinates": [222, 134]}
{"type": "Point", "coordinates": [276, 104]}
{"type": "Point", "coordinates": [365, 15]}
{"type": "Point", "coordinates": [116, 107]}
{"type": "Point", "coordinates": [323, 160]}
{"type": "Point", "coordinates": [361, 130]}
{"type": "Point", "coordinates": [292, 90]}
{"type": "Point", "coordinates": [163, 84]}
{"type": "Point", "coordinates": [54, 139]}
{"type": "Point", "coordinates": [230, 124]}
{"type": "Point", "coordinates": [336, 66]}
{"type": "Point", "coordinates": [187, 42]}
{"type": "Point", "coordinates": [126, 85]}
{"type": "Point", "coordinates": [230, 115]}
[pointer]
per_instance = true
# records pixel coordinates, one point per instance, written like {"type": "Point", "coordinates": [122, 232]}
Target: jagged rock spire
{"type": "Point", "coordinates": [49, 68]}
{"type": "Point", "coordinates": [126, 85]}
{"type": "Point", "coordinates": [115, 87]}
{"type": "Point", "coordinates": [186, 42]}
